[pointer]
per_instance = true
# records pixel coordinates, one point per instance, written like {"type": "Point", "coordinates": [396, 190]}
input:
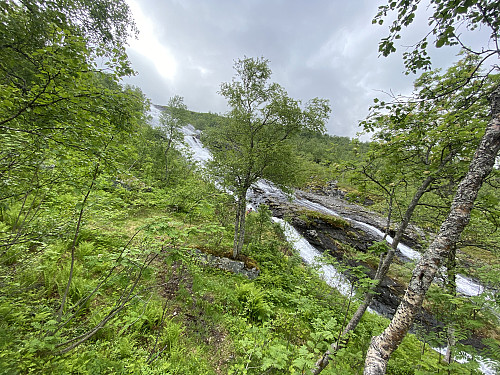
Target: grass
{"type": "Point", "coordinates": [185, 317]}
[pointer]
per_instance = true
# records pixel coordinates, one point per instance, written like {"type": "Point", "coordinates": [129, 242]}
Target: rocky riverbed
{"type": "Point", "coordinates": [313, 215]}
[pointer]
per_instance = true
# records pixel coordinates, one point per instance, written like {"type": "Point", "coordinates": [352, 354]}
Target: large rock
{"type": "Point", "coordinates": [234, 266]}
{"type": "Point", "coordinates": [332, 199]}
{"type": "Point", "coordinates": [331, 234]}
{"type": "Point", "coordinates": [326, 233]}
{"type": "Point", "coordinates": [414, 236]}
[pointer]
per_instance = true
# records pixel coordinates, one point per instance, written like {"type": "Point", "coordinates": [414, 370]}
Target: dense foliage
{"type": "Point", "coordinates": [103, 223]}
{"type": "Point", "coordinates": [447, 22]}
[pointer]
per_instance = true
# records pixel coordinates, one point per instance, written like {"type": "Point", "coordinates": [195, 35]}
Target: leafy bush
{"type": "Point", "coordinates": [253, 303]}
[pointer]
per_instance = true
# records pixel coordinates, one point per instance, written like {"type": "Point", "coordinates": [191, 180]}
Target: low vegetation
{"type": "Point", "coordinates": [176, 315]}
{"type": "Point", "coordinates": [102, 221]}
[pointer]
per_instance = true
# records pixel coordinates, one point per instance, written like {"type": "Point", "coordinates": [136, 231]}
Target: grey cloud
{"type": "Point", "coordinates": [319, 48]}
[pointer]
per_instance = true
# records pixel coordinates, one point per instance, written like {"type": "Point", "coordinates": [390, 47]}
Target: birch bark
{"type": "Point", "coordinates": [382, 346]}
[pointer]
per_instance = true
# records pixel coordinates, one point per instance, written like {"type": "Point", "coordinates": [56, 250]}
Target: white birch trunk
{"type": "Point", "coordinates": [481, 165]}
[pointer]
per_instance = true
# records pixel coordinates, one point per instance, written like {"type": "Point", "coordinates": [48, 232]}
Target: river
{"type": "Point", "coordinates": [309, 253]}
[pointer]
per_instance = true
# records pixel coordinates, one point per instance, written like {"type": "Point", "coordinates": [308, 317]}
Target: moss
{"type": "Point", "coordinates": [353, 234]}
{"type": "Point", "coordinates": [225, 253]}
{"type": "Point", "coordinates": [310, 216]}
{"type": "Point", "coordinates": [341, 246]}
{"type": "Point", "coordinates": [249, 262]}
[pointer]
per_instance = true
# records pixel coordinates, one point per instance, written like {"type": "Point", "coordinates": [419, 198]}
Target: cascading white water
{"type": "Point", "coordinates": [465, 285]}
{"type": "Point", "coordinates": [311, 256]}
{"type": "Point", "coordinates": [194, 145]}
{"type": "Point", "coordinates": [307, 252]}
{"type": "Point", "coordinates": [154, 116]}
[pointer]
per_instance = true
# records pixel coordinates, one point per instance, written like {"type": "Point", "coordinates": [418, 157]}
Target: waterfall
{"type": "Point", "coordinates": [311, 256]}
{"type": "Point", "coordinates": [309, 253]}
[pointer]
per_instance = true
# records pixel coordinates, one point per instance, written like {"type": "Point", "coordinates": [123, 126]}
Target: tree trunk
{"type": "Point", "coordinates": [480, 167]}
{"type": "Point", "coordinates": [384, 265]}
{"type": "Point", "coordinates": [167, 149]}
{"type": "Point", "coordinates": [382, 269]}
{"type": "Point", "coordinates": [450, 344]}
{"type": "Point", "coordinates": [236, 229]}
{"type": "Point", "coordinates": [239, 226]}
{"type": "Point", "coordinates": [242, 226]}
{"type": "Point", "coordinates": [451, 288]}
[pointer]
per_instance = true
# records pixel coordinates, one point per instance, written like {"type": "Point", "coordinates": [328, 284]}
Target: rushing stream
{"type": "Point", "coordinates": [309, 253]}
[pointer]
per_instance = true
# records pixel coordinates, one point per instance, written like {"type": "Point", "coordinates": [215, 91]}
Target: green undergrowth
{"type": "Point", "coordinates": [142, 302]}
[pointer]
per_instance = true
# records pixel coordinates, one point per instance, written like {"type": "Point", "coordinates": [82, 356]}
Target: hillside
{"type": "Point", "coordinates": [123, 252]}
{"type": "Point", "coordinates": [142, 301]}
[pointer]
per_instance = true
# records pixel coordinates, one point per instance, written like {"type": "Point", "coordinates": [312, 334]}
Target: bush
{"type": "Point", "coordinates": [253, 303]}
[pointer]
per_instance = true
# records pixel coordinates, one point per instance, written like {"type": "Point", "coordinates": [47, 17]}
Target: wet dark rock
{"type": "Point", "coordinates": [312, 233]}
{"type": "Point", "coordinates": [326, 237]}
{"type": "Point", "coordinates": [414, 237]}
{"type": "Point", "coordinates": [338, 240]}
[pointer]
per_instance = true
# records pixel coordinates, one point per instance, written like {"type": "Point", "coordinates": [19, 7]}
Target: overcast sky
{"type": "Point", "coordinates": [316, 48]}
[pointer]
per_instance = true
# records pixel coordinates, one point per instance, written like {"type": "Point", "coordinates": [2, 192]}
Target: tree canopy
{"type": "Point", "coordinates": [255, 142]}
{"type": "Point", "coordinates": [448, 22]}
{"type": "Point", "coordinates": [61, 117]}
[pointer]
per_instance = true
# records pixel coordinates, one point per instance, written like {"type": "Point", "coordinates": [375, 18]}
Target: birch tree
{"type": "Point", "coordinates": [383, 345]}
{"type": "Point", "coordinates": [256, 141]}
{"type": "Point", "coordinates": [447, 23]}
{"type": "Point", "coordinates": [417, 150]}
{"type": "Point", "coordinates": [172, 119]}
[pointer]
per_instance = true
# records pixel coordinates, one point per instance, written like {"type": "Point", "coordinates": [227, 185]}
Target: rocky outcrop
{"type": "Point", "coordinates": [287, 205]}
{"type": "Point", "coordinates": [329, 233]}
{"type": "Point", "coordinates": [234, 266]}
{"type": "Point", "coordinates": [414, 236]}
{"type": "Point", "coordinates": [339, 242]}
